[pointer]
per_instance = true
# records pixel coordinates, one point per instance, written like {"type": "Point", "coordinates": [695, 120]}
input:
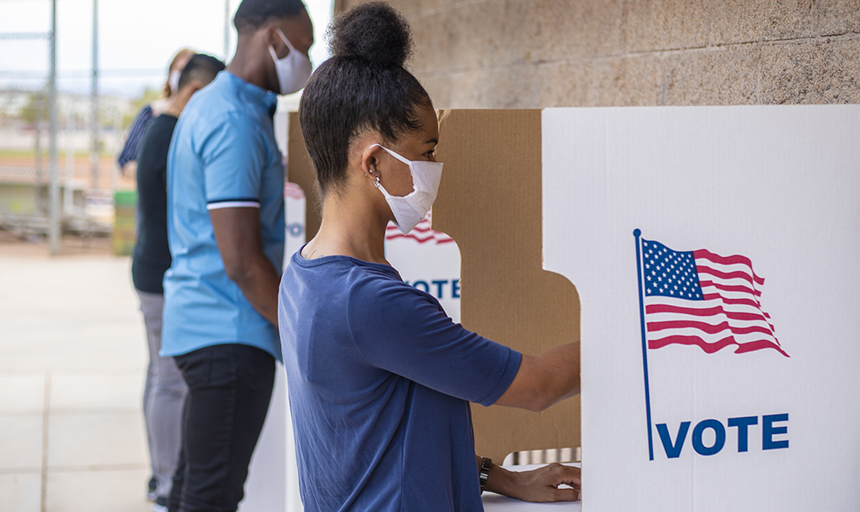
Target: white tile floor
{"type": "Point", "coordinates": [21, 492]}
{"type": "Point", "coordinates": [72, 358]}
{"type": "Point", "coordinates": [21, 443]}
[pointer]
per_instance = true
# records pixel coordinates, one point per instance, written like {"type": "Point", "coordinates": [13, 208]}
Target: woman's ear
{"type": "Point", "coordinates": [370, 162]}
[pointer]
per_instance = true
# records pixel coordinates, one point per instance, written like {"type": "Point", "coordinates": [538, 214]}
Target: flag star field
{"type": "Point", "coordinates": [670, 273]}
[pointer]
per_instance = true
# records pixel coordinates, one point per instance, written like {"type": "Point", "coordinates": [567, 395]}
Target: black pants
{"type": "Point", "coordinates": [229, 387]}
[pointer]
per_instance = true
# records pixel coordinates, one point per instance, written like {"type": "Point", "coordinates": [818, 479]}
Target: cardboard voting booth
{"type": "Point", "coordinates": [705, 257]}
{"type": "Point", "coordinates": [489, 203]}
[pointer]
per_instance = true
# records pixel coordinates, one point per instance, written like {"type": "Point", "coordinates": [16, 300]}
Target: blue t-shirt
{"type": "Point", "coordinates": [380, 381]}
{"type": "Point", "coordinates": [223, 154]}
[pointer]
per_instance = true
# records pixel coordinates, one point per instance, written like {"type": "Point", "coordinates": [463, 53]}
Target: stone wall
{"type": "Point", "coordinates": [550, 53]}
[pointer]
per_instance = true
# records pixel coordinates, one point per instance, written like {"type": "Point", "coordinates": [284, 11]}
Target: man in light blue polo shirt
{"type": "Point", "coordinates": [226, 235]}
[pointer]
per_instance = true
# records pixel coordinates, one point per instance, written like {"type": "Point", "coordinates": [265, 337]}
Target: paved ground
{"type": "Point", "coordinates": [72, 358]}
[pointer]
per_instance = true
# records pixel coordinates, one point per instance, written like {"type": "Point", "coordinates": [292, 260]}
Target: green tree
{"type": "Point", "coordinates": [36, 108]}
{"type": "Point", "coordinates": [148, 96]}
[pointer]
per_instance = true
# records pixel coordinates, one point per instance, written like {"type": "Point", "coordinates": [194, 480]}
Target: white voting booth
{"type": "Point", "coordinates": [766, 201]}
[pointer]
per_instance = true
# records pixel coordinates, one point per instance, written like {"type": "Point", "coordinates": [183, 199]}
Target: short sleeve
{"type": "Point", "coordinates": [135, 135]}
{"type": "Point", "coordinates": [233, 156]}
{"type": "Point", "coordinates": [402, 330]}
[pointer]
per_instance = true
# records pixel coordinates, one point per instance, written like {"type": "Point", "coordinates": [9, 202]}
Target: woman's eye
{"type": "Point", "coordinates": [430, 153]}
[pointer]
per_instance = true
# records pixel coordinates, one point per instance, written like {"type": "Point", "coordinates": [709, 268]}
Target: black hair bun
{"type": "Point", "coordinates": [374, 32]}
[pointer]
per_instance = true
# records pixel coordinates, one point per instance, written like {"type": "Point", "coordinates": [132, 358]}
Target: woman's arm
{"type": "Point", "coordinates": [544, 379]}
{"type": "Point", "coordinates": [539, 485]}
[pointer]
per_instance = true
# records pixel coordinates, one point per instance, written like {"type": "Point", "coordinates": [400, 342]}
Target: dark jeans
{"type": "Point", "coordinates": [229, 387]}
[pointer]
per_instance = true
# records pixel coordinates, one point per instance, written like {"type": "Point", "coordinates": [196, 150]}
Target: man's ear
{"type": "Point", "coordinates": [271, 35]}
{"type": "Point", "coordinates": [274, 40]}
{"type": "Point", "coordinates": [195, 86]}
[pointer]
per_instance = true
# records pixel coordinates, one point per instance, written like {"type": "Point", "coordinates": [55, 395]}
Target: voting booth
{"type": "Point", "coordinates": [705, 258]}
{"type": "Point", "coordinates": [737, 389]}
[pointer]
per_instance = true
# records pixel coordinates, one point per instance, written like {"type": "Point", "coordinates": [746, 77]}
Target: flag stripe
{"type": "Point", "coordinates": [710, 348]}
{"type": "Point", "coordinates": [729, 288]}
{"type": "Point", "coordinates": [727, 260]}
{"type": "Point", "coordinates": [438, 240]}
{"type": "Point", "coordinates": [717, 310]}
{"type": "Point", "coordinates": [417, 229]}
{"type": "Point", "coordinates": [706, 327]}
{"type": "Point", "coordinates": [738, 274]}
{"type": "Point", "coordinates": [710, 338]}
{"type": "Point", "coordinates": [751, 346]}
{"type": "Point", "coordinates": [734, 301]}
{"type": "Point", "coordinates": [664, 325]}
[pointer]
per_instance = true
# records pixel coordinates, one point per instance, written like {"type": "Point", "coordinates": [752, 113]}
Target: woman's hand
{"type": "Point", "coordinates": [539, 485]}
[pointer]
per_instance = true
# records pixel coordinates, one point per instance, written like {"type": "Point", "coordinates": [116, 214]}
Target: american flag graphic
{"type": "Point", "coordinates": [293, 191]}
{"type": "Point", "coordinates": [703, 299]}
{"type": "Point", "coordinates": [421, 233]}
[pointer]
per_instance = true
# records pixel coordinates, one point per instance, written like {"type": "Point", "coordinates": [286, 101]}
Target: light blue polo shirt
{"type": "Point", "coordinates": [223, 154]}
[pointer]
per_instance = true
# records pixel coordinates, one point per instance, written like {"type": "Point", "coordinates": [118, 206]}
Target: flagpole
{"type": "Point", "coordinates": [637, 233]}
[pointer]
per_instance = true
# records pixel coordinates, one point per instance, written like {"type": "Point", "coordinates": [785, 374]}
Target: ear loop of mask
{"type": "Point", "coordinates": [395, 155]}
{"type": "Point", "coordinates": [375, 175]}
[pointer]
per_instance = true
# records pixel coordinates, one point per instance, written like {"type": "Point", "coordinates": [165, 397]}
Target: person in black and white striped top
{"type": "Point", "coordinates": [127, 158]}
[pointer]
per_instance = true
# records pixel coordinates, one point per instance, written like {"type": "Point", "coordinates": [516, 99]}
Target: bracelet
{"type": "Point", "coordinates": [486, 463]}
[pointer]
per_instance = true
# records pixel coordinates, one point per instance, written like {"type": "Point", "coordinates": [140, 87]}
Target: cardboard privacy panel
{"type": "Point", "coordinates": [715, 252]}
{"type": "Point", "coordinates": [490, 204]}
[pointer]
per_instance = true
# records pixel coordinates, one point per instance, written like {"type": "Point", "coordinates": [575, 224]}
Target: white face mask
{"type": "Point", "coordinates": [173, 81]}
{"type": "Point", "coordinates": [293, 70]}
{"type": "Point", "coordinates": [410, 209]}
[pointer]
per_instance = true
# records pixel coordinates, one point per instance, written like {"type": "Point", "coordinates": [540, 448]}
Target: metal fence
{"type": "Point", "coordinates": [56, 142]}
{"type": "Point", "coordinates": [60, 132]}
{"type": "Point", "coordinates": [28, 133]}
{"type": "Point", "coordinates": [24, 106]}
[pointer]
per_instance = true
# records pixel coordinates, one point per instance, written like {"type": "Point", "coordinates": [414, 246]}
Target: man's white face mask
{"type": "Point", "coordinates": [410, 209]}
{"type": "Point", "coordinates": [293, 70]}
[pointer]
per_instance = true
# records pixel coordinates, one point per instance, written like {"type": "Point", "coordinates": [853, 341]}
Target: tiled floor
{"type": "Point", "coordinates": [72, 357]}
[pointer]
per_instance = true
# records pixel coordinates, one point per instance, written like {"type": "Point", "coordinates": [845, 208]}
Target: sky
{"type": "Point", "coordinates": [137, 40]}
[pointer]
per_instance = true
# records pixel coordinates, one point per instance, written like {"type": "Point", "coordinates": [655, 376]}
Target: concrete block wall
{"type": "Point", "coordinates": [553, 53]}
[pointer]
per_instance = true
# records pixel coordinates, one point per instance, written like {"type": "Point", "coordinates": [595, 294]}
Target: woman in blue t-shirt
{"type": "Point", "coordinates": [379, 378]}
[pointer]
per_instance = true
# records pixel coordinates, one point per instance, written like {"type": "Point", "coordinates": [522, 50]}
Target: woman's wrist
{"type": "Point", "coordinates": [501, 481]}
